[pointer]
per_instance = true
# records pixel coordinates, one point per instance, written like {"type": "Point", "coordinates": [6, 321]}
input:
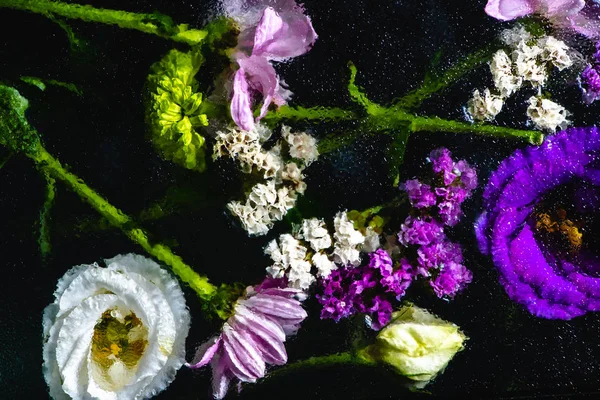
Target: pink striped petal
{"type": "Point", "coordinates": [205, 353]}
{"type": "Point", "coordinates": [246, 362]}
{"type": "Point", "coordinates": [276, 306]}
{"type": "Point", "coordinates": [247, 316]}
{"type": "Point", "coordinates": [269, 345]}
{"type": "Point", "coordinates": [506, 10]}
{"type": "Point", "coordinates": [241, 109]}
{"type": "Point", "coordinates": [220, 378]}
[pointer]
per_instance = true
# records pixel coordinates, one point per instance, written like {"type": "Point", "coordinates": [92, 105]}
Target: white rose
{"type": "Point", "coordinates": [116, 332]}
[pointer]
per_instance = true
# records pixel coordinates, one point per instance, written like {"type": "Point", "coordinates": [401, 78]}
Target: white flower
{"type": "Point", "coordinates": [263, 194]}
{"type": "Point", "coordinates": [528, 65]}
{"type": "Point", "coordinates": [116, 332]}
{"type": "Point", "coordinates": [512, 37]}
{"type": "Point", "coordinates": [323, 264]}
{"type": "Point", "coordinates": [302, 145]}
{"type": "Point", "coordinates": [486, 107]}
{"type": "Point", "coordinates": [254, 219]}
{"type": "Point", "coordinates": [501, 68]}
{"type": "Point", "coordinates": [372, 242]}
{"type": "Point", "coordinates": [546, 114]}
{"type": "Point", "coordinates": [346, 240]}
{"type": "Point", "coordinates": [299, 276]}
{"type": "Point", "coordinates": [556, 52]}
{"type": "Point", "coordinates": [289, 260]}
{"type": "Point", "coordinates": [314, 231]}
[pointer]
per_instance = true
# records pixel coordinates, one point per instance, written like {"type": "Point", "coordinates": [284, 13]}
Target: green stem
{"type": "Point", "coordinates": [5, 159]}
{"type": "Point", "coordinates": [44, 239]}
{"type": "Point", "coordinates": [331, 360]}
{"type": "Point", "coordinates": [51, 166]}
{"type": "Point", "coordinates": [154, 24]}
{"type": "Point", "coordinates": [433, 85]}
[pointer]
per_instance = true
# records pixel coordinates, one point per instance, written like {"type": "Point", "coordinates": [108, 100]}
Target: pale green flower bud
{"type": "Point", "coordinates": [416, 344]}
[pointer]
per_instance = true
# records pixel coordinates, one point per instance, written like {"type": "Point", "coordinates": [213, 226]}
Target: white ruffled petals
{"type": "Point", "coordinates": [315, 232]}
{"type": "Point", "coordinates": [347, 240]}
{"type": "Point", "coordinates": [302, 145]}
{"type": "Point", "coordinates": [546, 114]}
{"type": "Point", "coordinates": [323, 264]}
{"type": "Point", "coordinates": [486, 107]}
{"type": "Point", "coordinates": [289, 260]}
{"type": "Point", "coordinates": [81, 361]}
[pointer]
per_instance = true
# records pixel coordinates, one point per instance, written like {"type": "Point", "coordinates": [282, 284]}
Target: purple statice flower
{"type": "Point", "coordinates": [421, 231]}
{"type": "Point", "coordinates": [419, 195]}
{"type": "Point", "coordinates": [589, 80]}
{"type": "Point", "coordinates": [549, 281]}
{"type": "Point", "coordinates": [395, 282]}
{"type": "Point", "coordinates": [271, 30]}
{"type": "Point", "coordinates": [443, 164]}
{"type": "Point", "coordinates": [338, 300]}
{"type": "Point", "coordinates": [437, 255]}
{"type": "Point", "coordinates": [578, 15]}
{"type": "Point", "coordinates": [253, 336]}
{"type": "Point", "coordinates": [380, 313]}
{"type": "Point", "coordinates": [452, 278]}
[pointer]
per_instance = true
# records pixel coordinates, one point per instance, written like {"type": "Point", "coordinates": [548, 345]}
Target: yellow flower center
{"type": "Point", "coordinates": [118, 344]}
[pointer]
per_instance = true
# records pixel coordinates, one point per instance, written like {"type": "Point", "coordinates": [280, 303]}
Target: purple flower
{"type": "Point", "coordinates": [419, 195]}
{"type": "Point", "coordinates": [578, 15]}
{"type": "Point", "coordinates": [590, 79]}
{"type": "Point", "coordinates": [557, 278]}
{"type": "Point", "coordinates": [282, 32]}
{"type": "Point", "coordinates": [443, 164]}
{"type": "Point", "coordinates": [452, 278]}
{"type": "Point", "coordinates": [421, 231]}
{"type": "Point", "coordinates": [252, 337]}
{"type": "Point", "coordinates": [437, 255]}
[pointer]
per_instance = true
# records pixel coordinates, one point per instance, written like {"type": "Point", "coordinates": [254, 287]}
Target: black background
{"type": "Point", "coordinates": [101, 137]}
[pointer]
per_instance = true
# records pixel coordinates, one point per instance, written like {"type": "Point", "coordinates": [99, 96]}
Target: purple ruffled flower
{"type": "Point", "coordinates": [590, 79]}
{"type": "Point", "coordinates": [419, 195]}
{"type": "Point", "coordinates": [548, 281]}
{"type": "Point", "coordinates": [253, 336]}
{"type": "Point", "coordinates": [281, 33]}
{"type": "Point", "coordinates": [578, 15]}
{"type": "Point", "coordinates": [452, 278]}
{"type": "Point", "coordinates": [421, 231]}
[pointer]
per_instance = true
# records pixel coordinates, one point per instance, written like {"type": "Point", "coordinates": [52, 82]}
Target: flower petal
{"type": "Point", "coordinates": [276, 306]}
{"type": "Point", "coordinates": [246, 363]}
{"type": "Point", "coordinates": [241, 109]}
{"type": "Point", "coordinates": [506, 10]}
{"type": "Point", "coordinates": [205, 353]}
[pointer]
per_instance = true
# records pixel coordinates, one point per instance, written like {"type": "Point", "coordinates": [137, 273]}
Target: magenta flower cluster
{"type": "Point", "coordinates": [368, 289]}
{"type": "Point", "coordinates": [435, 206]}
{"type": "Point", "coordinates": [590, 78]}
{"type": "Point", "coordinates": [371, 288]}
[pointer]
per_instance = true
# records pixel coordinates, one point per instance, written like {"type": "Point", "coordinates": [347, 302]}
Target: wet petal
{"type": "Point", "coordinates": [241, 109]}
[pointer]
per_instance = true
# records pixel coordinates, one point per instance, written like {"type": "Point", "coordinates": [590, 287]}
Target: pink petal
{"type": "Point", "coordinates": [245, 314]}
{"type": "Point", "coordinates": [220, 378]}
{"type": "Point", "coordinates": [276, 306]}
{"type": "Point", "coordinates": [562, 7]}
{"type": "Point", "coordinates": [261, 76]}
{"type": "Point", "coordinates": [205, 353]}
{"type": "Point", "coordinates": [246, 362]}
{"type": "Point", "coordinates": [266, 341]}
{"type": "Point", "coordinates": [506, 10]}
{"type": "Point", "coordinates": [281, 36]}
{"type": "Point", "coordinates": [241, 110]}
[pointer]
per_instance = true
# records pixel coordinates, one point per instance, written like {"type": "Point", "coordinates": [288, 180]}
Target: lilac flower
{"type": "Point", "coordinates": [578, 15]}
{"type": "Point", "coordinates": [437, 255]}
{"type": "Point", "coordinates": [590, 78]}
{"type": "Point", "coordinates": [555, 278]}
{"type": "Point", "coordinates": [282, 32]}
{"type": "Point", "coordinates": [253, 336]}
{"type": "Point", "coordinates": [419, 195]}
{"type": "Point", "coordinates": [421, 231]}
{"type": "Point", "coordinates": [452, 278]}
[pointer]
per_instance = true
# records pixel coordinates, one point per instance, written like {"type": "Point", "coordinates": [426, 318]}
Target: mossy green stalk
{"type": "Point", "coordinates": [51, 166]}
{"type": "Point", "coordinates": [330, 360]}
{"type": "Point", "coordinates": [44, 238]}
{"type": "Point", "coordinates": [154, 24]}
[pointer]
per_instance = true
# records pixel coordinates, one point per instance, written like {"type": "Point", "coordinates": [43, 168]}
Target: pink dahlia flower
{"type": "Point", "coordinates": [578, 15]}
{"type": "Point", "coordinates": [253, 336]}
{"type": "Point", "coordinates": [271, 30]}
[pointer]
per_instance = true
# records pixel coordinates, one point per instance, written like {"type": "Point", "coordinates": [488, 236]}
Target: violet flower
{"type": "Point", "coordinates": [590, 78]}
{"type": "Point", "coordinates": [536, 203]}
{"type": "Point", "coordinates": [281, 33]}
{"type": "Point", "coordinates": [578, 15]}
{"type": "Point", "coordinates": [253, 336]}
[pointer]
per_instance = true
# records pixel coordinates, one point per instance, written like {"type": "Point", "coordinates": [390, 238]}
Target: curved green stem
{"type": "Point", "coordinates": [51, 166]}
{"type": "Point", "coordinates": [331, 360]}
{"type": "Point", "coordinates": [44, 238]}
{"type": "Point", "coordinates": [155, 24]}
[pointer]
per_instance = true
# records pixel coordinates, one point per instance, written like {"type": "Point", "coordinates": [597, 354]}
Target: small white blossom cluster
{"type": "Point", "coordinates": [528, 60]}
{"type": "Point", "coordinates": [546, 114]}
{"type": "Point", "coordinates": [294, 257]}
{"type": "Point", "coordinates": [267, 202]}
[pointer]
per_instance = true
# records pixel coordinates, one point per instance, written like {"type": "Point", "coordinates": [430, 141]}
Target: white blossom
{"type": "Point", "coordinates": [486, 107]}
{"type": "Point", "coordinates": [556, 52]}
{"type": "Point", "coordinates": [323, 264]}
{"type": "Point", "coordinates": [315, 232]}
{"type": "Point", "coordinates": [528, 64]}
{"type": "Point", "coordinates": [512, 37]}
{"type": "Point", "coordinates": [255, 219]}
{"type": "Point", "coordinates": [132, 296]}
{"type": "Point", "coordinates": [302, 145]}
{"type": "Point", "coordinates": [546, 114]}
{"type": "Point", "coordinates": [289, 260]}
{"type": "Point", "coordinates": [501, 68]}
{"type": "Point", "coordinates": [371, 242]}
{"type": "Point", "coordinates": [347, 239]}
{"type": "Point", "coordinates": [292, 173]}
